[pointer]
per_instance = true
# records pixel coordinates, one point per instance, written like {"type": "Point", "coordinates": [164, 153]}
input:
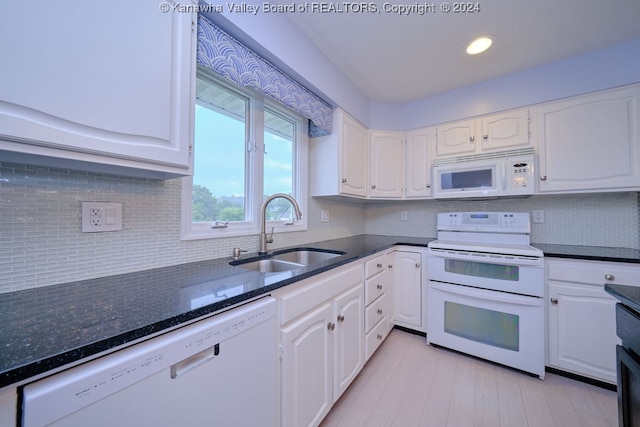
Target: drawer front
{"type": "Point", "coordinates": [592, 272]}
{"type": "Point", "coordinates": [375, 266]}
{"type": "Point", "coordinates": [375, 312]}
{"type": "Point", "coordinates": [373, 339]}
{"type": "Point", "coordinates": [374, 287]}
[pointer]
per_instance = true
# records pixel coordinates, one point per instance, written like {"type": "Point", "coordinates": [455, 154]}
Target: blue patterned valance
{"type": "Point", "coordinates": [226, 56]}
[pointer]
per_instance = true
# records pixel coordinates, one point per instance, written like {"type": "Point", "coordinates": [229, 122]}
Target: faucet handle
{"type": "Point", "coordinates": [270, 238]}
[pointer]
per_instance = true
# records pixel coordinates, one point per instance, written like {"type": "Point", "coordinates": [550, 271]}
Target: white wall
{"type": "Point", "coordinates": [607, 68]}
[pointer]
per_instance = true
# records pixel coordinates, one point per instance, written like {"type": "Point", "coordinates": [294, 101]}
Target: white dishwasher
{"type": "Point", "coordinates": [218, 371]}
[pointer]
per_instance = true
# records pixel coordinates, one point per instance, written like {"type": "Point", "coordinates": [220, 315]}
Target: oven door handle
{"type": "Point", "coordinates": [494, 296]}
{"type": "Point", "coordinates": [516, 260]}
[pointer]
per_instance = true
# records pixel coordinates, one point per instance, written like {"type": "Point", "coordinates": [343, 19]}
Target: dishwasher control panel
{"type": "Point", "coordinates": [54, 397]}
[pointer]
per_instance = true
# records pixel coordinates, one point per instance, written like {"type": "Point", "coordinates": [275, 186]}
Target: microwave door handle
{"type": "Point", "coordinates": [504, 177]}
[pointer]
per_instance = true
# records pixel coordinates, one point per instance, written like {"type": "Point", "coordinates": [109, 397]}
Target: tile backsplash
{"type": "Point", "coordinates": [41, 243]}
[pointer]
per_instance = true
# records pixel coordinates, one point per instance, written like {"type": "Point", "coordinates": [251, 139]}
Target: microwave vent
{"type": "Point", "coordinates": [485, 156]}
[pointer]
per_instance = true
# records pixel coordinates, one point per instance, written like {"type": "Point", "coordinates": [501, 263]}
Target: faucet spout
{"type": "Point", "coordinates": [263, 215]}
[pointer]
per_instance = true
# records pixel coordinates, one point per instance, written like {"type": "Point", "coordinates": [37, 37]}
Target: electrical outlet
{"type": "Point", "coordinates": [324, 215]}
{"type": "Point", "coordinates": [403, 215]}
{"type": "Point", "coordinates": [538, 216]}
{"type": "Point", "coordinates": [101, 216]}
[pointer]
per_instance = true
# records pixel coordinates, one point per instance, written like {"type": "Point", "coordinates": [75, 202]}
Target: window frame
{"type": "Point", "coordinates": [254, 172]}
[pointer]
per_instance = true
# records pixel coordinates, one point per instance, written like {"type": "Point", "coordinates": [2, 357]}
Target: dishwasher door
{"type": "Point", "coordinates": [220, 371]}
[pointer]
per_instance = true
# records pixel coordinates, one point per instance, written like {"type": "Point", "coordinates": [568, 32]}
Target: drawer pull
{"type": "Point", "coordinates": [379, 336]}
{"type": "Point", "coordinates": [554, 300]}
{"type": "Point", "coordinates": [379, 265]}
{"type": "Point", "coordinates": [379, 311]}
{"type": "Point", "coordinates": [379, 286]}
{"type": "Point", "coordinates": [609, 277]}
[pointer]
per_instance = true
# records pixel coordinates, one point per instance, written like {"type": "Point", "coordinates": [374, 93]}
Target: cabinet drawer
{"type": "Point", "coordinates": [299, 298]}
{"type": "Point", "coordinates": [374, 287]}
{"type": "Point", "coordinates": [375, 312]}
{"type": "Point", "coordinates": [592, 272]}
{"type": "Point", "coordinates": [373, 339]}
{"type": "Point", "coordinates": [375, 266]}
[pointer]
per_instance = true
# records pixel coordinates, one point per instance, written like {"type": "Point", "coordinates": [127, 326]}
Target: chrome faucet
{"type": "Point", "coordinates": [263, 235]}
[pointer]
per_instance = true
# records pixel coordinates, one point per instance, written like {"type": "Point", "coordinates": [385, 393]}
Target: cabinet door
{"type": "Point", "coordinates": [407, 276]}
{"type": "Point", "coordinates": [307, 368]}
{"type": "Point", "coordinates": [353, 162]}
{"type": "Point", "coordinates": [506, 130]}
{"type": "Point", "coordinates": [349, 338]}
{"type": "Point", "coordinates": [117, 87]}
{"type": "Point", "coordinates": [386, 164]}
{"type": "Point", "coordinates": [590, 142]}
{"type": "Point", "coordinates": [582, 330]}
{"type": "Point", "coordinates": [456, 138]}
{"type": "Point", "coordinates": [418, 162]}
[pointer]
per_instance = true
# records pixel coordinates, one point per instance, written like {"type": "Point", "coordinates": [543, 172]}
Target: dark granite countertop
{"type": "Point", "coordinates": [593, 253]}
{"type": "Point", "coordinates": [627, 295]}
{"type": "Point", "coordinates": [52, 327]}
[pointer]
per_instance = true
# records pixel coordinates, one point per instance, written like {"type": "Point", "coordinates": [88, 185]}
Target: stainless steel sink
{"type": "Point", "coordinates": [288, 260]}
{"type": "Point", "coordinates": [307, 256]}
{"type": "Point", "coordinates": [270, 265]}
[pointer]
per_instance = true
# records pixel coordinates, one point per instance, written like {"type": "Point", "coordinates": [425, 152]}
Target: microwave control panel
{"type": "Point", "coordinates": [521, 174]}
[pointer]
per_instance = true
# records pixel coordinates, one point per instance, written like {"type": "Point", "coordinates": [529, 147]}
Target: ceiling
{"type": "Point", "coordinates": [394, 58]}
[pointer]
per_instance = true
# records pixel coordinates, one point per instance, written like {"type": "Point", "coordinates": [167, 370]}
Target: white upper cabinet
{"type": "Point", "coordinates": [339, 160]}
{"type": "Point", "coordinates": [104, 85]}
{"type": "Point", "coordinates": [591, 142]}
{"type": "Point", "coordinates": [456, 138]}
{"type": "Point", "coordinates": [386, 164]}
{"type": "Point", "coordinates": [507, 130]}
{"type": "Point", "coordinates": [419, 147]}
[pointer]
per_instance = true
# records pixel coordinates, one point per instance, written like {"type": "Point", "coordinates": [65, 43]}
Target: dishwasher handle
{"type": "Point", "coordinates": [193, 362]}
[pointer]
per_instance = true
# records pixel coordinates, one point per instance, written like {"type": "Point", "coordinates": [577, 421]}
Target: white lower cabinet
{"type": "Point", "coordinates": [406, 274]}
{"type": "Point", "coordinates": [378, 297]}
{"type": "Point", "coordinates": [322, 342]}
{"type": "Point", "coordinates": [581, 316]}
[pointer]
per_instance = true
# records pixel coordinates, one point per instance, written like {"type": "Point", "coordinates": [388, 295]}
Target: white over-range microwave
{"type": "Point", "coordinates": [483, 176]}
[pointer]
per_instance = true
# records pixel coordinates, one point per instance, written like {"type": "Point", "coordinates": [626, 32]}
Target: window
{"type": "Point", "coordinates": [246, 148]}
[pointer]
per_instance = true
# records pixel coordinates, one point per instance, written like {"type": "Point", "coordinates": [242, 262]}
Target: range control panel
{"type": "Point", "coordinates": [493, 222]}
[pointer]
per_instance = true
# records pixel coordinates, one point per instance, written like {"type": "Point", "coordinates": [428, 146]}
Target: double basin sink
{"type": "Point", "coordinates": [287, 260]}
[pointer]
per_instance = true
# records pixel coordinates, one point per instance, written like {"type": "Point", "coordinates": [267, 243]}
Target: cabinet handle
{"type": "Point", "coordinates": [340, 318]}
{"type": "Point", "coordinates": [331, 326]}
{"type": "Point", "coordinates": [609, 277]}
{"type": "Point", "coordinates": [543, 178]}
{"type": "Point", "coordinates": [554, 300]}
{"type": "Point", "coordinates": [344, 180]}
{"type": "Point", "coordinates": [472, 138]}
{"type": "Point", "coordinates": [417, 265]}
{"type": "Point", "coordinates": [428, 185]}
{"type": "Point", "coordinates": [379, 336]}
{"type": "Point", "coordinates": [390, 265]}
{"type": "Point", "coordinates": [379, 287]}
{"type": "Point", "coordinates": [485, 137]}
{"type": "Point", "coordinates": [373, 187]}
{"type": "Point", "coordinates": [379, 311]}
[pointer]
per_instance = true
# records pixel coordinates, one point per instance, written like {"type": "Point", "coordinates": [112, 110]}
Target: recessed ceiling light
{"type": "Point", "coordinates": [479, 45]}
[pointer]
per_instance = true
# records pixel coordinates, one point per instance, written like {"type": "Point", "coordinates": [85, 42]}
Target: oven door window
{"type": "Point", "coordinates": [482, 269]}
{"type": "Point", "coordinates": [489, 327]}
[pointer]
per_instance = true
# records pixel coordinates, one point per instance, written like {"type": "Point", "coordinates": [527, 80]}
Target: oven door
{"type": "Point", "coordinates": [498, 326]}
{"type": "Point", "coordinates": [509, 273]}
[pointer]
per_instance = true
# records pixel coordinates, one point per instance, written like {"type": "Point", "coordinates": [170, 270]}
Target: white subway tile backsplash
{"type": "Point", "coordinates": [41, 243]}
